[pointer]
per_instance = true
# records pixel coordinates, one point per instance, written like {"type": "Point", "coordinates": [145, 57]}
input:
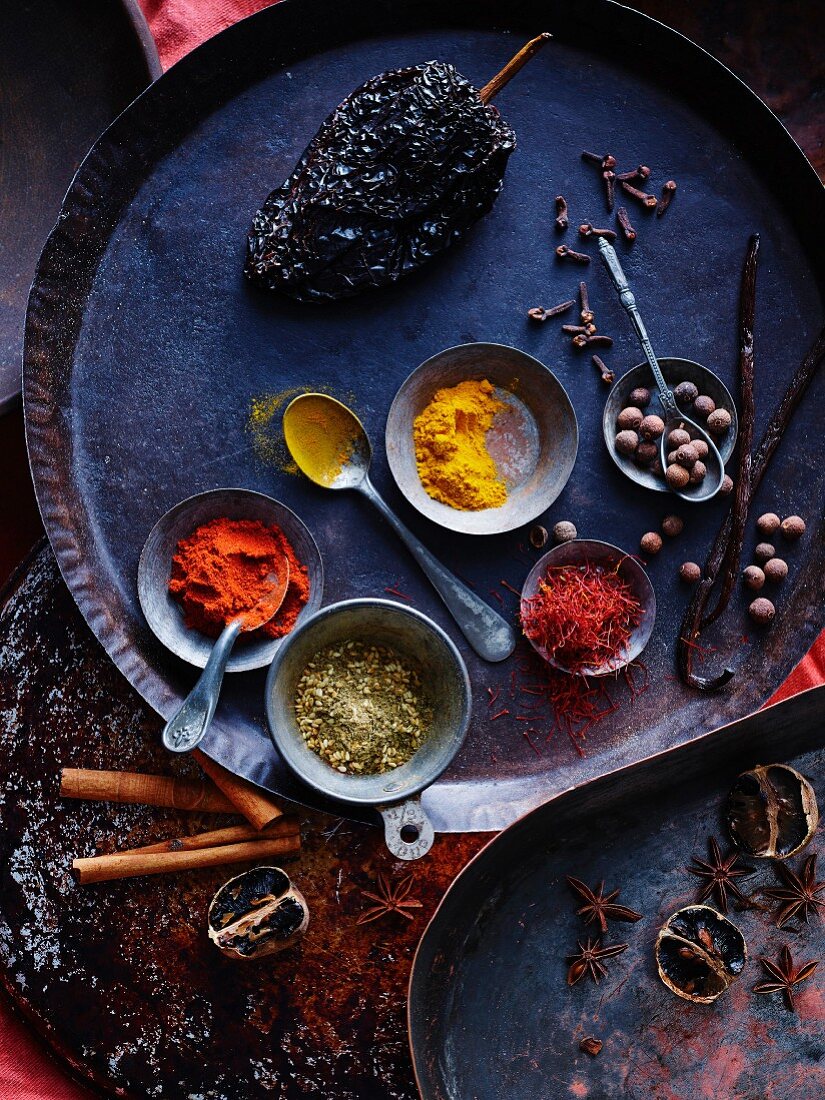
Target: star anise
{"type": "Point", "coordinates": [588, 960]}
{"type": "Point", "coordinates": [784, 976]}
{"type": "Point", "coordinates": [720, 876]}
{"type": "Point", "coordinates": [802, 895]}
{"type": "Point", "coordinates": [599, 906]}
{"type": "Point", "coordinates": [392, 897]}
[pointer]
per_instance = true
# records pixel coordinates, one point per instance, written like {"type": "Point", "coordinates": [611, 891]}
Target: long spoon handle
{"type": "Point", "coordinates": [628, 300]}
{"type": "Point", "coordinates": [187, 728]}
{"type": "Point", "coordinates": [488, 633]}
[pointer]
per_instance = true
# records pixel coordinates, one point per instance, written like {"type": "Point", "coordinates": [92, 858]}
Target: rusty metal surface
{"type": "Point", "coordinates": [67, 68]}
{"type": "Point", "coordinates": [145, 349]}
{"type": "Point", "coordinates": [491, 1014]}
{"type": "Point", "coordinates": [120, 978]}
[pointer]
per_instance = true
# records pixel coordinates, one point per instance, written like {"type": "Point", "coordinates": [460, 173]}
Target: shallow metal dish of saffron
{"type": "Point", "coordinates": [533, 442]}
{"type": "Point", "coordinates": [603, 555]}
{"type": "Point", "coordinates": [675, 370]}
{"type": "Point", "coordinates": [407, 829]}
{"type": "Point", "coordinates": [163, 614]}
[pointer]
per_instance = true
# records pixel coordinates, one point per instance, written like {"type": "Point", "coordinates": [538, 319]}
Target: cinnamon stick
{"type": "Point", "coordinates": [232, 834]}
{"type": "Point", "coordinates": [131, 864]}
{"type": "Point", "coordinates": [256, 805]}
{"type": "Point", "coordinates": [146, 790]}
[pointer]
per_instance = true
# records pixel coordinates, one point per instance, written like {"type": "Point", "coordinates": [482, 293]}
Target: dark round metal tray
{"type": "Point", "coordinates": [68, 68]}
{"type": "Point", "coordinates": [491, 1015]}
{"type": "Point", "coordinates": [145, 348]}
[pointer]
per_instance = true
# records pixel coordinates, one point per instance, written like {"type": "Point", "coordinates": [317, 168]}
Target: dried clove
{"type": "Point", "coordinates": [643, 197]}
{"type": "Point", "coordinates": [668, 191]}
{"type": "Point", "coordinates": [609, 188]}
{"type": "Point", "coordinates": [574, 330]}
{"type": "Point", "coordinates": [623, 219]}
{"type": "Point", "coordinates": [565, 253]}
{"type": "Point", "coordinates": [587, 314]}
{"type": "Point", "coordinates": [641, 173]}
{"type": "Point", "coordinates": [539, 313]}
{"type": "Point", "coordinates": [608, 161]}
{"type": "Point", "coordinates": [608, 377]}
{"type": "Point", "coordinates": [562, 220]}
{"type": "Point", "coordinates": [588, 230]}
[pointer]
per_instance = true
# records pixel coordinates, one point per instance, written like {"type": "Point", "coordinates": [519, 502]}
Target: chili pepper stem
{"type": "Point", "coordinates": [494, 86]}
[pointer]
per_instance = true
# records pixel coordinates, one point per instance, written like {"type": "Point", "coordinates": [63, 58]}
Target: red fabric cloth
{"type": "Point", "coordinates": [26, 1070]}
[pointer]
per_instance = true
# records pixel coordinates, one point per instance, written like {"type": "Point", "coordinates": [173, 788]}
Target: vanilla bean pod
{"type": "Point", "coordinates": [729, 568]}
{"type": "Point", "coordinates": [771, 439]}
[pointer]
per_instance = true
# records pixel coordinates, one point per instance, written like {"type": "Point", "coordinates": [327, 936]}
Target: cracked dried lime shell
{"type": "Point", "coordinates": [257, 913]}
{"type": "Point", "coordinates": [772, 811]}
{"type": "Point", "coordinates": [699, 953]}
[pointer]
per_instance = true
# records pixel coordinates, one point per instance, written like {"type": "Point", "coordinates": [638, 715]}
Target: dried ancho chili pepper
{"type": "Point", "coordinates": [398, 172]}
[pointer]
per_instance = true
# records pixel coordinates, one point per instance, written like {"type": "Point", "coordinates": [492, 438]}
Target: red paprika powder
{"type": "Point", "coordinates": [224, 568]}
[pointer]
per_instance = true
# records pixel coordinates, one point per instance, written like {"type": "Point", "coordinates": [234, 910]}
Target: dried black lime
{"type": "Point", "coordinates": [699, 953]}
{"type": "Point", "coordinates": [397, 173]}
{"type": "Point", "coordinates": [257, 913]}
{"type": "Point", "coordinates": [772, 811]}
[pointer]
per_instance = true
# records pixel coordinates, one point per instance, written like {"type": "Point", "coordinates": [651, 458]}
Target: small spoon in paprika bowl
{"type": "Point", "coordinates": [187, 728]}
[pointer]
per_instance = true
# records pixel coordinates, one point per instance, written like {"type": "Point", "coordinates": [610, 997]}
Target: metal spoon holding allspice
{"type": "Point", "coordinates": [330, 446]}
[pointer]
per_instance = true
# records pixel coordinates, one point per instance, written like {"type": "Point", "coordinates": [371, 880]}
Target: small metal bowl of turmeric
{"type": "Point", "coordinates": [481, 438]}
{"type": "Point", "coordinates": [207, 555]}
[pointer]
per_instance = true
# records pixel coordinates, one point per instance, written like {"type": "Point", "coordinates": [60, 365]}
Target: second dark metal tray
{"type": "Point", "coordinates": [146, 349]}
{"type": "Point", "coordinates": [491, 1014]}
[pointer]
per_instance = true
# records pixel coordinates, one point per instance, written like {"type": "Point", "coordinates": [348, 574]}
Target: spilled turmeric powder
{"type": "Point", "coordinates": [454, 464]}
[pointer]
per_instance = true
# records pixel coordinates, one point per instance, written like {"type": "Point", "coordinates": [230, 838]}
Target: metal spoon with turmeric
{"type": "Point", "coordinates": [330, 445]}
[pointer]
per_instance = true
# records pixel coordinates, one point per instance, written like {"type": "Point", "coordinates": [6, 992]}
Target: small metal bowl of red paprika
{"type": "Point", "coordinates": [163, 612]}
{"type": "Point", "coordinates": [601, 577]}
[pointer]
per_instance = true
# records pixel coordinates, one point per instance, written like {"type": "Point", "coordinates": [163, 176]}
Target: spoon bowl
{"type": "Point", "coordinates": [675, 370]}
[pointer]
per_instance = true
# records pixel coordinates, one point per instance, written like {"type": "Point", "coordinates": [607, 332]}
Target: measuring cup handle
{"type": "Point", "coordinates": [186, 729]}
{"type": "Point", "coordinates": [628, 300]}
{"type": "Point", "coordinates": [406, 816]}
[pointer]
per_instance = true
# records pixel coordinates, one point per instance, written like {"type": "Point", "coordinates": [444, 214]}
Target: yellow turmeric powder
{"type": "Point", "coordinates": [454, 464]}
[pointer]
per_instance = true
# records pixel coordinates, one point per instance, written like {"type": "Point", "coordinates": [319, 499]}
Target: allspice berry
{"type": "Point", "coordinates": [753, 577]}
{"type": "Point", "coordinates": [564, 531]}
{"type": "Point", "coordinates": [677, 438]}
{"type": "Point", "coordinates": [764, 552]}
{"type": "Point", "coordinates": [629, 418]}
{"type": "Point", "coordinates": [690, 572]}
{"type": "Point", "coordinates": [651, 543]}
{"type": "Point", "coordinates": [792, 528]}
{"type": "Point", "coordinates": [776, 570]}
{"type": "Point", "coordinates": [677, 477]}
{"type": "Point", "coordinates": [768, 523]}
{"type": "Point", "coordinates": [651, 427]}
{"type": "Point", "coordinates": [703, 406]}
{"type": "Point", "coordinates": [646, 453]}
{"type": "Point", "coordinates": [762, 611]}
{"type": "Point", "coordinates": [727, 485]}
{"type": "Point", "coordinates": [640, 397]}
{"type": "Point", "coordinates": [700, 447]}
{"type": "Point", "coordinates": [698, 472]}
{"type": "Point", "coordinates": [719, 421]}
{"type": "Point", "coordinates": [626, 442]}
{"type": "Point", "coordinates": [538, 536]}
{"type": "Point", "coordinates": [656, 467]}
{"type": "Point", "coordinates": [686, 455]}
{"type": "Point", "coordinates": [673, 526]}
{"type": "Point", "coordinates": [685, 393]}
